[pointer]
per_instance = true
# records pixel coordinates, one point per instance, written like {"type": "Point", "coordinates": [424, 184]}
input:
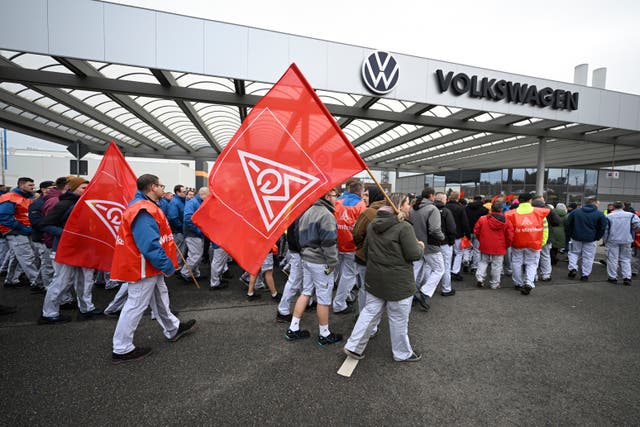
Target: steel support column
{"type": "Point", "coordinates": [540, 167]}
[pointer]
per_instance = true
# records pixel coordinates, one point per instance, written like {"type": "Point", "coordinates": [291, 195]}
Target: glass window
{"type": "Point", "coordinates": [576, 180]}
{"type": "Point", "coordinates": [557, 176]}
{"type": "Point", "coordinates": [517, 176]}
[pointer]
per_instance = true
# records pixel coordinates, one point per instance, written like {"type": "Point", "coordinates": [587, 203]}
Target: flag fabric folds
{"type": "Point", "coordinates": [89, 234]}
{"type": "Point", "coordinates": [288, 152]}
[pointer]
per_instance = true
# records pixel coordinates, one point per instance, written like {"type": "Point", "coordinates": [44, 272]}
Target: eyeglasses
{"type": "Point", "coordinates": [333, 195]}
{"type": "Point", "coordinates": [160, 185]}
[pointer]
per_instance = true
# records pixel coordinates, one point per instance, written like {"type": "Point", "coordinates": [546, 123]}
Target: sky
{"type": "Point", "coordinates": [545, 38]}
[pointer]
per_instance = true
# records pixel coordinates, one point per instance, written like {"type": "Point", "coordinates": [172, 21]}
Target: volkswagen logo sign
{"type": "Point", "coordinates": [380, 72]}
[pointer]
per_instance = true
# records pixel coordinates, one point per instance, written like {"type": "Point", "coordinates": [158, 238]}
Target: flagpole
{"type": "Point", "coordinates": [184, 261]}
{"type": "Point", "coordinates": [386, 196]}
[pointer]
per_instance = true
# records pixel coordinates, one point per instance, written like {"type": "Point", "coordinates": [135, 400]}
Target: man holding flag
{"type": "Point", "coordinates": [144, 254]}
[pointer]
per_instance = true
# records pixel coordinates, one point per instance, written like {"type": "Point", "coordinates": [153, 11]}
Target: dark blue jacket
{"type": "Point", "coordinates": [35, 218]}
{"type": "Point", "coordinates": [190, 229]}
{"type": "Point", "coordinates": [586, 224]}
{"type": "Point", "coordinates": [7, 215]}
{"type": "Point", "coordinates": [176, 214]}
{"type": "Point", "coordinates": [164, 205]}
{"type": "Point", "coordinates": [146, 234]}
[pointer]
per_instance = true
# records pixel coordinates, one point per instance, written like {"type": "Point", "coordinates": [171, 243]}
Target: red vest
{"type": "Point", "coordinates": [22, 209]}
{"type": "Point", "coordinates": [128, 263]}
{"type": "Point", "coordinates": [528, 228]}
{"type": "Point", "coordinates": [346, 217]}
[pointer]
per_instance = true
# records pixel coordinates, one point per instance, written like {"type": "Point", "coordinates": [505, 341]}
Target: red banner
{"type": "Point", "coordinates": [287, 153]}
{"type": "Point", "coordinates": [90, 232]}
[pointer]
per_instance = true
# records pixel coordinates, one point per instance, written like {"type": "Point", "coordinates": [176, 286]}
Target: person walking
{"type": "Point", "coordinates": [144, 254]}
{"type": "Point", "coordinates": [620, 233]}
{"type": "Point", "coordinates": [530, 234]}
{"type": "Point", "coordinates": [495, 235]}
{"type": "Point", "coordinates": [584, 227]}
{"type": "Point", "coordinates": [390, 246]}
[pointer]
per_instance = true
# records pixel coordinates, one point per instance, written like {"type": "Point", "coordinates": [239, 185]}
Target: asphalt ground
{"type": "Point", "coordinates": [568, 354]}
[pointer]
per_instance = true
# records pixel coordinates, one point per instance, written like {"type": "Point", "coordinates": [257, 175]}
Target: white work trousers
{"type": "Point", "coordinates": [584, 250]}
{"type": "Point", "coordinates": [398, 314]}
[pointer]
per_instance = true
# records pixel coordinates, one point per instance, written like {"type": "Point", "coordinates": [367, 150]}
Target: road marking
{"type": "Point", "coordinates": [347, 367]}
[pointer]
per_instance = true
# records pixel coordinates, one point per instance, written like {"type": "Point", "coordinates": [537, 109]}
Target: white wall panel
{"type": "Point", "coordinates": [267, 54]}
{"type": "Point", "coordinates": [225, 50]}
{"type": "Point", "coordinates": [129, 35]}
{"type": "Point", "coordinates": [344, 64]}
{"type": "Point", "coordinates": [180, 43]}
{"type": "Point", "coordinates": [76, 29]}
{"type": "Point", "coordinates": [310, 55]}
{"type": "Point", "coordinates": [23, 26]}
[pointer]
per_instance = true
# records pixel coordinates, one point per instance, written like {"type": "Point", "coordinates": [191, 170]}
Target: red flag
{"type": "Point", "coordinates": [287, 153]}
{"type": "Point", "coordinates": [90, 232]}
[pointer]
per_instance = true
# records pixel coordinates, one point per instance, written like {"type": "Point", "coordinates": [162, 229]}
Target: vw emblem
{"type": "Point", "coordinates": [380, 72]}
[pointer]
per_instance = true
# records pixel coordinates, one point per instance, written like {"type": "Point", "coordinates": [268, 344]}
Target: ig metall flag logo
{"type": "Point", "coordinates": [380, 72]}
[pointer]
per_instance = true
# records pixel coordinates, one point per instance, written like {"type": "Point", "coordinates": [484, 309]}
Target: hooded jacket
{"type": "Point", "coordinates": [494, 233]}
{"type": "Point", "coordinates": [475, 210]}
{"type": "Point", "coordinates": [460, 217]}
{"type": "Point", "coordinates": [427, 225]}
{"type": "Point", "coordinates": [558, 238]}
{"type": "Point", "coordinates": [318, 234]}
{"type": "Point", "coordinates": [586, 224]}
{"type": "Point", "coordinates": [448, 224]}
{"type": "Point", "coordinates": [391, 247]}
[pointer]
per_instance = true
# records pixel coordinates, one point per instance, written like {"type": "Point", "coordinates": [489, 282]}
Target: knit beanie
{"type": "Point", "coordinates": [75, 181]}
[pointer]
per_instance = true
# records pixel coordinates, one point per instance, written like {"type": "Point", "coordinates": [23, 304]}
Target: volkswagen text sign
{"type": "Point", "coordinates": [380, 72]}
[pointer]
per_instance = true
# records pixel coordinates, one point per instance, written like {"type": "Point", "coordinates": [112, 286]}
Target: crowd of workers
{"type": "Point", "coordinates": [377, 251]}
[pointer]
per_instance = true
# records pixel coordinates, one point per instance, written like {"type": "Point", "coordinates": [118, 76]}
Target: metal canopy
{"type": "Point", "coordinates": [166, 114]}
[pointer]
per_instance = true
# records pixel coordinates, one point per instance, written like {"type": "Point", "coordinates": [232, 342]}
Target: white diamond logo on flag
{"type": "Point", "coordinates": [273, 183]}
{"type": "Point", "coordinates": [110, 213]}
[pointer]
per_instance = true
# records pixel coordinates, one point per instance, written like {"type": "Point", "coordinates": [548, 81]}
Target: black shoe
{"type": "Point", "coordinates": [137, 353]}
{"type": "Point", "coordinates": [227, 275]}
{"type": "Point", "coordinates": [413, 358]}
{"type": "Point", "coordinates": [423, 301]}
{"type": "Point", "coordinates": [451, 293]}
{"type": "Point", "coordinates": [114, 315]}
{"type": "Point", "coordinates": [584, 279]}
{"type": "Point", "coordinates": [184, 329]}
{"type": "Point", "coordinates": [71, 305]}
{"type": "Point", "coordinates": [572, 274]}
{"type": "Point", "coordinates": [480, 284]}
{"type": "Point", "coordinates": [546, 279]}
{"type": "Point", "coordinates": [347, 310]}
{"type": "Point", "coordinates": [626, 282]}
{"type": "Point", "coordinates": [53, 320]}
{"type": "Point", "coordinates": [456, 277]}
{"type": "Point", "coordinates": [312, 306]}
{"type": "Point", "coordinates": [473, 271]}
{"type": "Point", "coordinates": [465, 268]}
{"type": "Point", "coordinates": [526, 290]}
{"type": "Point", "coordinates": [37, 290]}
{"type": "Point", "coordinates": [611, 280]}
{"type": "Point", "coordinates": [5, 309]}
{"type": "Point", "coordinates": [353, 354]}
{"type": "Point", "coordinates": [277, 297]}
{"type": "Point", "coordinates": [329, 339]}
{"type": "Point", "coordinates": [253, 297]}
{"type": "Point", "coordinates": [14, 285]}
{"type": "Point", "coordinates": [283, 318]}
{"type": "Point", "coordinates": [296, 335]}
{"type": "Point", "coordinates": [93, 314]}
{"type": "Point", "coordinates": [518, 287]}
{"type": "Point", "coordinates": [222, 285]}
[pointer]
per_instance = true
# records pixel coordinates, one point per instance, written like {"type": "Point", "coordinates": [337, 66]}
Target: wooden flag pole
{"type": "Point", "coordinates": [386, 196]}
{"type": "Point", "coordinates": [184, 261]}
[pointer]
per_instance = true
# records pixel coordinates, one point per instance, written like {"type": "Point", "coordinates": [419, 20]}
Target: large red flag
{"type": "Point", "coordinates": [287, 153]}
{"type": "Point", "coordinates": [90, 233]}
